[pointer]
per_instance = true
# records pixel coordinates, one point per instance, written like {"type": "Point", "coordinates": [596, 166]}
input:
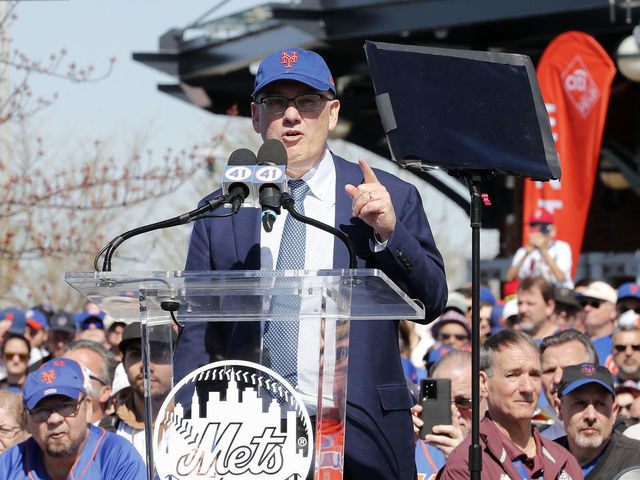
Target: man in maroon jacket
{"type": "Point", "coordinates": [510, 381]}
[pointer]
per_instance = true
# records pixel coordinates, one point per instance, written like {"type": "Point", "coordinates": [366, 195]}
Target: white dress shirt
{"type": "Point", "coordinates": [319, 204]}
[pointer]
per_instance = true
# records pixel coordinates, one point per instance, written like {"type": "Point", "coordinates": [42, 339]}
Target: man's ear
{"type": "Point", "coordinates": [550, 307]}
{"type": "Point", "coordinates": [557, 404]}
{"type": "Point", "coordinates": [616, 409]}
{"type": "Point", "coordinates": [255, 117]}
{"type": "Point", "coordinates": [26, 422]}
{"type": "Point", "coordinates": [89, 409]}
{"type": "Point", "coordinates": [334, 111]}
{"type": "Point", "coordinates": [105, 394]}
{"type": "Point", "coordinates": [484, 392]}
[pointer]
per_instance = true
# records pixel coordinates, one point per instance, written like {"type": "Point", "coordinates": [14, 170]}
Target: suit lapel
{"type": "Point", "coordinates": [346, 172]}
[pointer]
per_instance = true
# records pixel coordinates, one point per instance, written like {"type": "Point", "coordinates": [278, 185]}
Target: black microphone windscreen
{"type": "Point", "coordinates": [272, 151]}
{"type": "Point", "coordinates": [242, 156]}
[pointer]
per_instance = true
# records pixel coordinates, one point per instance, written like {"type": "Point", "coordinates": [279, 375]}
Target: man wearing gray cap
{"type": "Point", "coordinates": [567, 307]}
{"type": "Point", "coordinates": [588, 411]}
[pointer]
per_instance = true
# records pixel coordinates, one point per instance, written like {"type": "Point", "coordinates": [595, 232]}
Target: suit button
{"type": "Point", "coordinates": [399, 253]}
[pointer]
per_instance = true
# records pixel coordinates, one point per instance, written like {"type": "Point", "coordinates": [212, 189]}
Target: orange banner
{"type": "Point", "coordinates": [575, 75]}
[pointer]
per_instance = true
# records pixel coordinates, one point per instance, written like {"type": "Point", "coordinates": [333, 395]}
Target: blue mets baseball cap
{"type": "Point", "coordinates": [487, 296]}
{"type": "Point", "coordinates": [630, 289]}
{"type": "Point", "coordinates": [60, 376]}
{"type": "Point", "coordinates": [294, 64]}
{"type": "Point", "coordinates": [17, 317]}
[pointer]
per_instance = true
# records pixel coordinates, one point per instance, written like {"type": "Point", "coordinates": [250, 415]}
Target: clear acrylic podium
{"type": "Point", "coordinates": [232, 415]}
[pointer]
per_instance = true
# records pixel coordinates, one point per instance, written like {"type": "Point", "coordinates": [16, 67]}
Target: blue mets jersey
{"type": "Point", "coordinates": [105, 456]}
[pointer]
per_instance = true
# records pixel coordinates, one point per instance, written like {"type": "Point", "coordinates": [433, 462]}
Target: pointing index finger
{"type": "Point", "coordinates": [369, 175]}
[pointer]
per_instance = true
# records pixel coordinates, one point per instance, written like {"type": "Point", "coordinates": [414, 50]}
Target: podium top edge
{"type": "Point", "coordinates": [118, 293]}
{"type": "Point", "coordinates": [168, 274]}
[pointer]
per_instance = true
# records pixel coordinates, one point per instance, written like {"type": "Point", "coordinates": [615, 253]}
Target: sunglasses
{"type": "Point", "coordinates": [66, 409]}
{"type": "Point", "coordinates": [458, 336]}
{"type": "Point", "coordinates": [9, 356]}
{"type": "Point", "coordinates": [93, 376]}
{"type": "Point", "coordinates": [623, 348]}
{"type": "Point", "coordinates": [592, 302]}
{"type": "Point", "coordinates": [462, 403]}
{"type": "Point", "coordinates": [543, 227]}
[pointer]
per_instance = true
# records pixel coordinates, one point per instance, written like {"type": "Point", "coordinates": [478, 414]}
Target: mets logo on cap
{"type": "Point", "coordinates": [588, 369]}
{"type": "Point", "coordinates": [48, 376]}
{"type": "Point", "coordinates": [288, 58]}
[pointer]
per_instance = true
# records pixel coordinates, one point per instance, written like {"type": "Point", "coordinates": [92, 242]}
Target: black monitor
{"type": "Point", "coordinates": [462, 111]}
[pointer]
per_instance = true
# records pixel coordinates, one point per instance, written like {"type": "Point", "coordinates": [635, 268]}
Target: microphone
{"type": "Point", "coordinates": [236, 179]}
{"type": "Point", "coordinates": [270, 180]}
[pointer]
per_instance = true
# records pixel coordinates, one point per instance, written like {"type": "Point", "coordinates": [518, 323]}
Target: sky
{"type": "Point", "coordinates": [127, 102]}
{"type": "Point", "coordinates": [127, 105]}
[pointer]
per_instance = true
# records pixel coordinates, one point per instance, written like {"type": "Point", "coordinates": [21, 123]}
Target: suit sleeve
{"type": "Point", "coordinates": [199, 256]}
{"type": "Point", "coordinates": [411, 258]}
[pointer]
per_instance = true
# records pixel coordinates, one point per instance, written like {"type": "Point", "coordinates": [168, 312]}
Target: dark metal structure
{"type": "Point", "coordinates": [213, 62]}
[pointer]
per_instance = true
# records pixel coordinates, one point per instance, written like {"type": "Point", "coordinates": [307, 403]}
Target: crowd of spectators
{"type": "Point", "coordinates": [592, 409]}
{"type": "Point", "coordinates": [559, 381]}
{"type": "Point", "coordinates": [42, 348]}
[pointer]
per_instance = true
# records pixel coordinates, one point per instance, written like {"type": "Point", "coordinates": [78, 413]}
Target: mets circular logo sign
{"type": "Point", "coordinates": [233, 420]}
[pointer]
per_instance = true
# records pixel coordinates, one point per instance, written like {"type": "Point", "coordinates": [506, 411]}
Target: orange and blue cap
{"type": "Point", "coordinates": [17, 317]}
{"type": "Point", "coordinates": [60, 376]}
{"type": "Point", "coordinates": [630, 289]}
{"type": "Point", "coordinates": [37, 320]}
{"type": "Point", "coordinates": [294, 64]}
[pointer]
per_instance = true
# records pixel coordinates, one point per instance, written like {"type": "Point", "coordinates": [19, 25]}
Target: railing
{"type": "Point", "coordinates": [611, 267]}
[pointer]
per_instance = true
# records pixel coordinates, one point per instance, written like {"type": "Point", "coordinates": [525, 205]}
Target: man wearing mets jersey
{"type": "Point", "coordinates": [64, 445]}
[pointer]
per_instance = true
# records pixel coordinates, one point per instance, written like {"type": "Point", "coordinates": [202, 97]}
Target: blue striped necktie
{"type": "Point", "coordinates": [281, 335]}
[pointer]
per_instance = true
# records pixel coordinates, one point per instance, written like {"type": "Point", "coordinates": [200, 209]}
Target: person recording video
{"type": "Point", "coordinates": [543, 255]}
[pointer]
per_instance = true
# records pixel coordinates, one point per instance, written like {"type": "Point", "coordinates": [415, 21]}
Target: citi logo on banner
{"type": "Point", "coordinates": [581, 89]}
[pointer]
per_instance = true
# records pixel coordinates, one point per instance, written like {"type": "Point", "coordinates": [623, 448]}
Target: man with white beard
{"type": "Point", "coordinates": [588, 411]}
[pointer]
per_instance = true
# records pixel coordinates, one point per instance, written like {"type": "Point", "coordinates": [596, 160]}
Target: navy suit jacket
{"type": "Point", "coordinates": [379, 433]}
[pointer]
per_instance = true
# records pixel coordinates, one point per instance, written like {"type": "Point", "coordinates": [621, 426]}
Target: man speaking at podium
{"type": "Point", "coordinates": [294, 101]}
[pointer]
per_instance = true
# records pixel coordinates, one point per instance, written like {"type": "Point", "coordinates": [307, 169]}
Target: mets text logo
{"type": "Point", "coordinates": [588, 369]}
{"type": "Point", "coordinates": [233, 420]}
{"type": "Point", "coordinates": [287, 59]}
{"type": "Point", "coordinates": [579, 86]}
{"type": "Point", "coordinates": [48, 377]}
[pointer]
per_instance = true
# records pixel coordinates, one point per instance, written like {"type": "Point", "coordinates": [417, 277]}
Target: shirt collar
{"type": "Point", "coordinates": [318, 178]}
{"type": "Point", "coordinates": [506, 450]}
